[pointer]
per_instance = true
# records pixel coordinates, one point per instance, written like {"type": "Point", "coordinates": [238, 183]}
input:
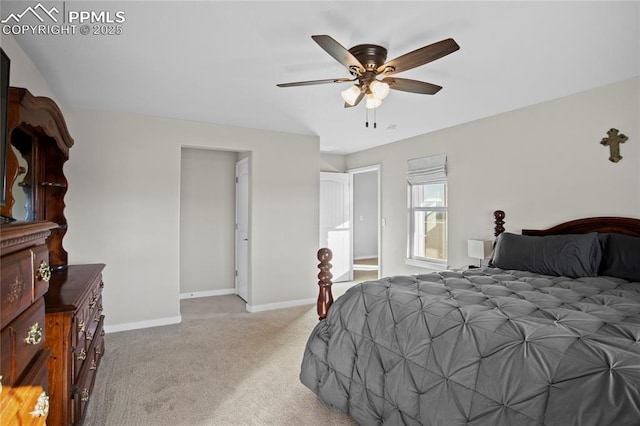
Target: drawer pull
{"type": "Point", "coordinates": [96, 318]}
{"type": "Point", "coordinates": [89, 336]}
{"type": "Point", "coordinates": [82, 355]}
{"type": "Point", "coordinates": [98, 351]}
{"type": "Point", "coordinates": [101, 284]}
{"type": "Point", "coordinates": [44, 271]}
{"type": "Point", "coordinates": [82, 326]}
{"type": "Point", "coordinates": [41, 408]}
{"type": "Point", "coordinates": [34, 335]}
{"type": "Point", "coordinates": [92, 303]}
{"type": "Point", "coordinates": [85, 395]}
{"type": "Point", "coordinates": [93, 365]}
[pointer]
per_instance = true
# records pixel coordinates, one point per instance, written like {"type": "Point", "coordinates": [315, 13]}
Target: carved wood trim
{"type": "Point", "coordinates": [18, 235]}
{"type": "Point", "coordinates": [615, 224]}
{"type": "Point", "coordinates": [36, 128]}
{"type": "Point", "coordinates": [39, 112]}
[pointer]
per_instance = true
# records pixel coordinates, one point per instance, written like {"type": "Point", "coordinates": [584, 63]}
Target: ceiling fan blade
{"type": "Point", "coordinates": [312, 82]}
{"type": "Point", "coordinates": [357, 101]}
{"type": "Point", "coordinates": [337, 51]}
{"type": "Point", "coordinates": [419, 57]}
{"type": "Point", "coordinates": [413, 86]}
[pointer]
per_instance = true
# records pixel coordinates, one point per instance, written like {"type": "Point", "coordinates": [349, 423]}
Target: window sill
{"type": "Point", "coordinates": [426, 264]}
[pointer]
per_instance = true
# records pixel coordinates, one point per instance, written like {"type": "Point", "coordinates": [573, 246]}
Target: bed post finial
{"type": "Point", "coordinates": [325, 298]}
{"type": "Point", "coordinates": [499, 222]}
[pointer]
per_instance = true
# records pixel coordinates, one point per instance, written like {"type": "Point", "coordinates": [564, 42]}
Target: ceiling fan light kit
{"type": "Point", "coordinates": [367, 62]}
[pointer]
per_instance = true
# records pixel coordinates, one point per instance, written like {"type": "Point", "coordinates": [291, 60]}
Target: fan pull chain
{"type": "Point", "coordinates": [375, 120]}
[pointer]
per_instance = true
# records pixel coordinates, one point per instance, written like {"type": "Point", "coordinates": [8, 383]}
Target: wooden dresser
{"type": "Point", "coordinates": [24, 394]}
{"type": "Point", "coordinates": [75, 331]}
{"type": "Point", "coordinates": [70, 313]}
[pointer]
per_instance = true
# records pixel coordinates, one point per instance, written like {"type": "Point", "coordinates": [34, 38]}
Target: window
{"type": "Point", "coordinates": [427, 193]}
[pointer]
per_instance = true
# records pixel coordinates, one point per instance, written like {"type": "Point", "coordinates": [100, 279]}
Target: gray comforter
{"type": "Point", "coordinates": [482, 347]}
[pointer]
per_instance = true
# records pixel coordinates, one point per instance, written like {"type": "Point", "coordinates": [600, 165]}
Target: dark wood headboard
{"type": "Point", "coordinates": [614, 224]}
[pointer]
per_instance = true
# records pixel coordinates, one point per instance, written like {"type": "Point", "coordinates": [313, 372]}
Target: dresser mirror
{"type": "Point", "coordinates": [22, 188]}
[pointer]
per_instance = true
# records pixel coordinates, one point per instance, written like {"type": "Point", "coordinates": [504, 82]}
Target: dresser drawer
{"type": "Point", "coordinates": [27, 403]}
{"type": "Point", "coordinates": [16, 285]}
{"type": "Point", "coordinates": [21, 341]}
{"type": "Point", "coordinates": [87, 357]}
{"type": "Point", "coordinates": [95, 315]}
{"type": "Point", "coordinates": [86, 378]}
{"type": "Point", "coordinates": [85, 316]}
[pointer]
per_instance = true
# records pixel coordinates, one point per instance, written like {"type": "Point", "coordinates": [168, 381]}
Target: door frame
{"type": "Point", "coordinates": [237, 236]}
{"type": "Point", "coordinates": [377, 168]}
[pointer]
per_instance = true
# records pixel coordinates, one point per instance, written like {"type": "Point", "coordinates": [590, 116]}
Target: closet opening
{"type": "Point", "coordinates": [213, 253]}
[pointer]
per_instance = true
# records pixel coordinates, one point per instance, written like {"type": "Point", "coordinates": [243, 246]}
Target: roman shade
{"type": "Point", "coordinates": [427, 170]}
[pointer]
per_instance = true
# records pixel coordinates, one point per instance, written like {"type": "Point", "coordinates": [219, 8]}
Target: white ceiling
{"type": "Point", "coordinates": [220, 62]}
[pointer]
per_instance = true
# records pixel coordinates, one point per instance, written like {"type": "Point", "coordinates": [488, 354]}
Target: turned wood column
{"type": "Point", "coordinates": [499, 222]}
{"type": "Point", "coordinates": [325, 298]}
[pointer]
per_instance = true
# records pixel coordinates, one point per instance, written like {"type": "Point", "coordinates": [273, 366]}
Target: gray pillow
{"type": "Point", "coordinates": [575, 255]}
{"type": "Point", "coordinates": [621, 256]}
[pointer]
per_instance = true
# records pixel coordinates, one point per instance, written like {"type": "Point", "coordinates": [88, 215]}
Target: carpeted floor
{"type": "Point", "coordinates": [220, 366]}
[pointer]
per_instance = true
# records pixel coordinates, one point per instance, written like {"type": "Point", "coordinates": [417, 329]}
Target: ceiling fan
{"type": "Point", "coordinates": [367, 62]}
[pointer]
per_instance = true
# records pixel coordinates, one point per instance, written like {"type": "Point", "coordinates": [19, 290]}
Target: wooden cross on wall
{"type": "Point", "coordinates": [613, 141]}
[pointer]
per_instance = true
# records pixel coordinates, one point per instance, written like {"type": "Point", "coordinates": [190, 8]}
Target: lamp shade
{"type": "Point", "coordinates": [379, 89]}
{"type": "Point", "coordinates": [372, 102]}
{"type": "Point", "coordinates": [351, 94]}
{"type": "Point", "coordinates": [479, 249]}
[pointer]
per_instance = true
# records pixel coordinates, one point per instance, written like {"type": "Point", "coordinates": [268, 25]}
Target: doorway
{"type": "Point", "coordinates": [350, 222]}
{"type": "Point", "coordinates": [335, 222]}
{"type": "Point", "coordinates": [208, 222]}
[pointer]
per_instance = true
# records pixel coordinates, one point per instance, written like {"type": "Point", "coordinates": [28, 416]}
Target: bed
{"type": "Point", "coordinates": [515, 343]}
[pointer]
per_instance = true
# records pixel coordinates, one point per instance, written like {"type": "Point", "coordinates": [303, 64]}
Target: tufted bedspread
{"type": "Point", "coordinates": [481, 347]}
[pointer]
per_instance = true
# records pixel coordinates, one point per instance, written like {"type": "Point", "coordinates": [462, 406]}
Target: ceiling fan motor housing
{"type": "Point", "coordinates": [371, 56]}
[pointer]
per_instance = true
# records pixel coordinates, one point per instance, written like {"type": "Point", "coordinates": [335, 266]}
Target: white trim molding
{"type": "Point", "coordinates": [280, 305]}
{"type": "Point", "coordinates": [209, 293]}
{"type": "Point", "coordinates": [142, 324]}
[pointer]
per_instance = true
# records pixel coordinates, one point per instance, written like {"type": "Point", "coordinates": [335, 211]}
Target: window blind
{"type": "Point", "coordinates": [432, 169]}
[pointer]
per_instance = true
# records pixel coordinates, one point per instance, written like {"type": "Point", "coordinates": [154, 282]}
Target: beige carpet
{"type": "Point", "coordinates": [220, 366]}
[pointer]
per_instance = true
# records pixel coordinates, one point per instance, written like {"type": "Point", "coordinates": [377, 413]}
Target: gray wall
{"type": "Point", "coordinates": [207, 221]}
{"type": "Point", "coordinates": [542, 165]}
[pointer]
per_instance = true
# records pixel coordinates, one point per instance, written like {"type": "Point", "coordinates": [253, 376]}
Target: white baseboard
{"type": "Point", "coordinates": [209, 293]}
{"type": "Point", "coordinates": [280, 305]}
{"type": "Point", "coordinates": [142, 324]}
{"type": "Point", "coordinates": [178, 319]}
{"type": "Point", "coordinates": [365, 267]}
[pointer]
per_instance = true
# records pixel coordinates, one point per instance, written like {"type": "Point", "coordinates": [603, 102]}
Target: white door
{"type": "Point", "coordinates": [335, 228]}
{"type": "Point", "coordinates": [242, 229]}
